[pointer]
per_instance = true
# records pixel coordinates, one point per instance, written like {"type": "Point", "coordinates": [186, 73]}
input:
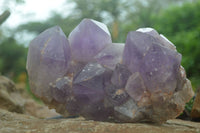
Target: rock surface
{"type": "Point", "coordinates": [9, 98]}
{"type": "Point", "coordinates": [18, 123]}
{"type": "Point", "coordinates": [20, 101]}
{"type": "Point", "coordinates": [195, 113]}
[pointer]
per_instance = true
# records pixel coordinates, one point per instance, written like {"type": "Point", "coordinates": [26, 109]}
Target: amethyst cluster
{"type": "Point", "coordinates": [88, 75]}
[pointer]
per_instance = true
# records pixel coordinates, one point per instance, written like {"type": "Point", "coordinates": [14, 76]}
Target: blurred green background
{"type": "Point", "coordinates": [178, 20]}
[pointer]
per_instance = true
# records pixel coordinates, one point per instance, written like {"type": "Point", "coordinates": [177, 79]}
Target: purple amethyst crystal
{"type": "Point", "coordinates": [48, 59]}
{"type": "Point", "coordinates": [84, 43]}
{"type": "Point", "coordinates": [110, 55]}
{"type": "Point", "coordinates": [61, 90]}
{"type": "Point", "coordinates": [141, 80]}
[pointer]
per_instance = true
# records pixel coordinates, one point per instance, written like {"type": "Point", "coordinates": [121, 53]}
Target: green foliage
{"type": "Point", "coordinates": [67, 24]}
{"type": "Point", "coordinates": [181, 25]}
{"type": "Point", "coordinates": [188, 106]}
{"type": "Point", "coordinates": [36, 27]}
{"type": "Point", "coordinates": [12, 58]}
{"type": "Point", "coordinates": [87, 9]}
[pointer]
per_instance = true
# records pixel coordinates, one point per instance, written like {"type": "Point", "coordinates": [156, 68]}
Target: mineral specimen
{"type": "Point", "coordinates": [141, 80]}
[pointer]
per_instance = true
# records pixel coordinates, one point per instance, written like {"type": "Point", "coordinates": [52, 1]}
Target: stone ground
{"type": "Point", "coordinates": [20, 123]}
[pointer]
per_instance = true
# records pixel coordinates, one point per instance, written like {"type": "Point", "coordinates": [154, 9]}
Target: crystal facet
{"type": "Point", "coordinates": [110, 55]}
{"type": "Point", "coordinates": [48, 59]}
{"type": "Point", "coordinates": [141, 80]}
{"type": "Point", "coordinates": [84, 43]}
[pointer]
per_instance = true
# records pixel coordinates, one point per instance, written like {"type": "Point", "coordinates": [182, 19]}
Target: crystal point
{"type": "Point", "coordinates": [84, 43]}
{"type": "Point", "coordinates": [48, 59]}
{"type": "Point", "coordinates": [110, 55]}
